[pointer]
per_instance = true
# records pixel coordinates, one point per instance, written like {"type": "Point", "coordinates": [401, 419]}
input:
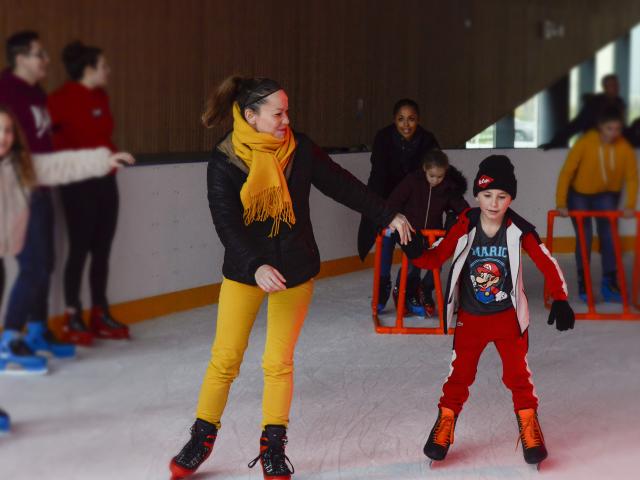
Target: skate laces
{"type": "Point", "coordinates": [443, 431]}
{"type": "Point", "coordinates": [20, 348]}
{"type": "Point", "coordinates": [76, 323]}
{"type": "Point", "coordinates": [530, 431]}
{"type": "Point", "coordinates": [108, 320]}
{"type": "Point", "coordinates": [198, 447]}
{"type": "Point", "coordinates": [274, 460]}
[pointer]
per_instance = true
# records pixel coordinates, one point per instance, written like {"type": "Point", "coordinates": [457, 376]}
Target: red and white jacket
{"type": "Point", "coordinates": [520, 234]}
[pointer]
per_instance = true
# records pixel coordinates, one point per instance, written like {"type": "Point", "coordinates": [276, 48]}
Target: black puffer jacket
{"type": "Point", "coordinates": [293, 252]}
{"type": "Point", "coordinates": [424, 205]}
{"type": "Point", "coordinates": [392, 158]}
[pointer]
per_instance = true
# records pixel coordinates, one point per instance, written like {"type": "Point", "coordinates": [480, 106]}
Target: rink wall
{"type": "Point", "coordinates": [167, 256]}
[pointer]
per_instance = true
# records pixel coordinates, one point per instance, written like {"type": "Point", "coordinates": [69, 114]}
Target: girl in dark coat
{"type": "Point", "coordinates": [424, 196]}
{"type": "Point", "coordinates": [397, 151]}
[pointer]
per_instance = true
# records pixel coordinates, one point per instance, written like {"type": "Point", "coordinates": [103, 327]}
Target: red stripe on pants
{"type": "Point", "coordinates": [473, 333]}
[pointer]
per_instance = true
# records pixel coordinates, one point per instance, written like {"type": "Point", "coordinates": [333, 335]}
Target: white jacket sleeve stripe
{"type": "Point", "coordinates": [546, 251]}
{"type": "Point", "coordinates": [69, 166]}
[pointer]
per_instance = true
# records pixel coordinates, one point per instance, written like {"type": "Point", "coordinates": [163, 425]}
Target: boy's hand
{"type": "Point", "coordinates": [562, 314]}
{"type": "Point", "coordinates": [563, 212]}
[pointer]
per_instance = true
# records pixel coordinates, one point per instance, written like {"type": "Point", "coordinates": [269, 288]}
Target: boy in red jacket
{"type": "Point", "coordinates": [486, 286]}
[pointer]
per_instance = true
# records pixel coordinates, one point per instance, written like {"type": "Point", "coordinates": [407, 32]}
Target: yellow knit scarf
{"type": "Point", "coordinates": [265, 193]}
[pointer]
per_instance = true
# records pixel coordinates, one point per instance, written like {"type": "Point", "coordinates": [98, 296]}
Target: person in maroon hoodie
{"type": "Point", "coordinates": [20, 91]}
{"type": "Point", "coordinates": [424, 197]}
{"type": "Point", "coordinates": [82, 118]}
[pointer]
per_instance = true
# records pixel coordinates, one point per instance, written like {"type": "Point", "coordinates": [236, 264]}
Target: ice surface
{"type": "Point", "coordinates": [363, 405]}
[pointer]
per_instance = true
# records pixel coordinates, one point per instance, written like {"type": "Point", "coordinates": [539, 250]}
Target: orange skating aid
{"type": "Point", "coordinates": [628, 300]}
{"type": "Point", "coordinates": [400, 327]}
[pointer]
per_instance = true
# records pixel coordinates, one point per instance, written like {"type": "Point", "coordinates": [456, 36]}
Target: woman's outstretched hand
{"type": "Point", "coordinates": [401, 225]}
{"type": "Point", "coordinates": [269, 279]}
{"type": "Point", "coordinates": [121, 159]}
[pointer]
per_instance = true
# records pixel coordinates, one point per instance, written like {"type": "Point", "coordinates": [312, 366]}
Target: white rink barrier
{"type": "Point", "coordinates": [166, 241]}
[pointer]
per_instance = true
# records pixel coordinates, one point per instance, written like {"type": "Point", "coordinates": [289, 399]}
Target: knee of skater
{"type": "Point", "coordinates": [274, 368]}
{"type": "Point", "coordinates": [225, 368]}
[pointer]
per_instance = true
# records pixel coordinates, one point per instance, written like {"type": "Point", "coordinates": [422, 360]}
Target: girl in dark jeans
{"type": "Point", "coordinates": [5, 421]}
{"type": "Point", "coordinates": [82, 118]}
{"type": "Point", "coordinates": [26, 230]}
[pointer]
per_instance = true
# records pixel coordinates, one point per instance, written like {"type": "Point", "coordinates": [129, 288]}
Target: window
{"type": "Point", "coordinates": [526, 123]}
{"type": "Point", "coordinates": [484, 139]}
{"type": "Point", "coordinates": [604, 65]}
{"type": "Point", "coordinates": [574, 92]}
{"type": "Point", "coordinates": [634, 74]}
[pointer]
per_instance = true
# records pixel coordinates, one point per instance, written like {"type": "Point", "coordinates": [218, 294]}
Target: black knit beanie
{"type": "Point", "coordinates": [496, 172]}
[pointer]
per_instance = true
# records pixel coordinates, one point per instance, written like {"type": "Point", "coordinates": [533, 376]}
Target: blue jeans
{"type": "Point", "coordinates": [414, 273]}
{"type": "Point", "coordinates": [28, 301]}
{"type": "Point", "coordinates": [388, 245]}
{"type": "Point", "coordinates": [600, 202]}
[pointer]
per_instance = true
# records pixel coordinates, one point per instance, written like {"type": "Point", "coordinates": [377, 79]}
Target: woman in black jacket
{"type": "Point", "coordinates": [397, 151]}
{"type": "Point", "coordinates": [258, 182]}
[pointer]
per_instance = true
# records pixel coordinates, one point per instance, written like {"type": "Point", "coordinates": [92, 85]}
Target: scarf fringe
{"type": "Point", "coordinates": [269, 204]}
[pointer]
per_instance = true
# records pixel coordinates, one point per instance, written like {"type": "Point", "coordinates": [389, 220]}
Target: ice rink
{"type": "Point", "coordinates": [362, 409]}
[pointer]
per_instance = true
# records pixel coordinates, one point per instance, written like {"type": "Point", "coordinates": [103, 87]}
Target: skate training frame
{"type": "Point", "coordinates": [629, 299]}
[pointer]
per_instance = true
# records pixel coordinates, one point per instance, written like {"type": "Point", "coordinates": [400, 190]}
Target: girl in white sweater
{"type": "Point", "coordinates": [20, 174]}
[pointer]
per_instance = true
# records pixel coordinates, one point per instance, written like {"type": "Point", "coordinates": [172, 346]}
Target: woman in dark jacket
{"type": "Point", "coordinates": [258, 183]}
{"type": "Point", "coordinates": [397, 151]}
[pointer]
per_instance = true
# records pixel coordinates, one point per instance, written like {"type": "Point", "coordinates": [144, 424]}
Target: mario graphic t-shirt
{"type": "Point", "coordinates": [486, 277]}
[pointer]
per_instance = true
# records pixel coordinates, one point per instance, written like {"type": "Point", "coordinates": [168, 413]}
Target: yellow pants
{"type": "Point", "coordinates": [237, 309]}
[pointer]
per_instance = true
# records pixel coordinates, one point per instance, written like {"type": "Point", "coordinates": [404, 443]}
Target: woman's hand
{"type": "Point", "coordinates": [563, 212]}
{"type": "Point", "coordinates": [120, 159]}
{"type": "Point", "coordinates": [401, 225]}
{"type": "Point", "coordinates": [269, 279]}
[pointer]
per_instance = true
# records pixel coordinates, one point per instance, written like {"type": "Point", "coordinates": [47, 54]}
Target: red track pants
{"type": "Point", "coordinates": [473, 333]}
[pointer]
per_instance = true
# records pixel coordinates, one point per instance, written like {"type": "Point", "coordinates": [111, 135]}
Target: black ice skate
{"type": "Point", "coordinates": [441, 436]}
{"type": "Point", "coordinates": [275, 464]}
{"type": "Point", "coordinates": [384, 291]}
{"type": "Point", "coordinates": [531, 437]}
{"type": "Point", "coordinates": [196, 451]}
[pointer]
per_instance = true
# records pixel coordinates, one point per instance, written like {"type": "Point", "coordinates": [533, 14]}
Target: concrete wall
{"type": "Point", "coordinates": [166, 241]}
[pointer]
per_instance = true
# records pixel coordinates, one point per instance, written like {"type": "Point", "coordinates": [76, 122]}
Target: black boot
{"type": "Point", "coordinates": [384, 290]}
{"type": "Point", "coordinates": [610, 290]}
{"type": "Point", "coordinates": [275, 464]}
{"type": "Point", "coordinates": [441, 436]}
{"type": "Point", "coordinates": [533, 447]}
{"type": "Point", "coordinates": [196, 451]}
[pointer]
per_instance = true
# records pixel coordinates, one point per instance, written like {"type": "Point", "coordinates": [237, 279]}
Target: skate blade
{"type": "Point", "coordinates": [49, 355]}
{"type": "Point", "coordinates": [18, 370]}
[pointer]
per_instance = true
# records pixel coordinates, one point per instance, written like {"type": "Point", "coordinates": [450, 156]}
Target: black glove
{"type": "Point", "coordinates": [562, 314]}
{"type": "Point", "coordinates": [415, 248]}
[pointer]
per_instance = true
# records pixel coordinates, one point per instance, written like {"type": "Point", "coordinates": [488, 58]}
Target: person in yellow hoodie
{"type": "Point", "coordinates": [592, 178]}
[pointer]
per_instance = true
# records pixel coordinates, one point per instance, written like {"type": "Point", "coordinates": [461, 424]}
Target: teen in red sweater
{"type": "Point", "coordinates": [486, 285]}
{"type": "Point", "coordinates": [82, 118]}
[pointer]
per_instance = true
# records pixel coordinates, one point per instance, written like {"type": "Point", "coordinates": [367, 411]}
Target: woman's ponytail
{"type": "Point", "coordinates": [221, 100]}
